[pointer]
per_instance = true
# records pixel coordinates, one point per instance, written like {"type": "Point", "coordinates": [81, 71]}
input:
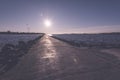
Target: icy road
{"type": "Point", "coordinates": [51, 59]}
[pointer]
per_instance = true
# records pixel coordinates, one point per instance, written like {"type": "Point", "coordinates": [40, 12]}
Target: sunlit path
{"type": "Point", "coordinates": [51, 59]}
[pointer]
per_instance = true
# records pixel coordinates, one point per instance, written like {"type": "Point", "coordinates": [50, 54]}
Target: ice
{"type": "Point", "coordinates": [115, 52]}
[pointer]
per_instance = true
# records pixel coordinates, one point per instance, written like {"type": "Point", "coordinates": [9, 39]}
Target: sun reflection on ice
{"type": "Point", "coordinates": [50, 56]}
{"type": "Point", "coordinates": [50, 51]}
{"type": "Point", "coordinates": [49, 34]}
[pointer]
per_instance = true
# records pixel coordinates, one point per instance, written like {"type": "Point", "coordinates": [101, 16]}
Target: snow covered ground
{"type": "Point", "coordinates": [14, 38]}
{"type": "Point", "coordinates": [94, 40]}
{"type": "Point", "coordinates": [52, 59]}
{"type": "Point", "coordinates": [113, 51]}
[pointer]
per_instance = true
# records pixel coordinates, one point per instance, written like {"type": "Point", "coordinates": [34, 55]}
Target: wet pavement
{"type": "Point", "coordinates": [51, 59]}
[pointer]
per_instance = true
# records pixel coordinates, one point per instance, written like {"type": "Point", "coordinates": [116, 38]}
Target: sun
{"type": "Point", "coordinates": [47, 23]}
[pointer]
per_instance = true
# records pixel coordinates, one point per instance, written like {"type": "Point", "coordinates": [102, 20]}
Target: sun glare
{"type": "Point", "coordinates": [47, 23]}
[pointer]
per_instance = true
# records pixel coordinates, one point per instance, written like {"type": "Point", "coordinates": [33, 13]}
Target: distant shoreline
{"type": "Point", "coordinates": [20, 33]}
{"type": "Point", "coordinates": [90, 33]}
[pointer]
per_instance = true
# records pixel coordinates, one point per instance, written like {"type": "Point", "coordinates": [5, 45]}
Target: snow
{"type": "Point", "coordinates": [14, 38]}
{"type": "Point", "coordinates": [67, 63]}
{"type": "Point", "coordinates": [109, 40]}
{"type": "Point", "coordinates": [115, 52]}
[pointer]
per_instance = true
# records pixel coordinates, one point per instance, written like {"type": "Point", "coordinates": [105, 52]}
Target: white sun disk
{"type": "Point", "coordinates": [47, 23]}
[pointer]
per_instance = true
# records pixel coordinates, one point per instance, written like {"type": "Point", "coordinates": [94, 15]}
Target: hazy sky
{"type": "Point", "coordinates": [67, 16]}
